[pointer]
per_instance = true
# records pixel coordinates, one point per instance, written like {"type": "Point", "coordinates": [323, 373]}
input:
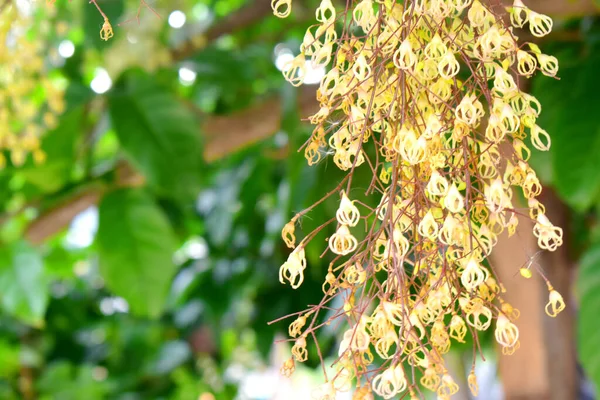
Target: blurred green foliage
{"type": "Point", "coordinates": [181, 279]}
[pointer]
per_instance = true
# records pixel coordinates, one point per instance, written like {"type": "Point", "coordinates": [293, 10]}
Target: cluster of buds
{"type": "Point", "coordinates": [426, 94]}
{"type": "Point", "coordinates": [30, 102]}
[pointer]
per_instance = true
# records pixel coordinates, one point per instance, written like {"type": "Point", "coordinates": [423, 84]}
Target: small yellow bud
{"type": "Point", "coordinates": [107, 31]}
{"type": "Point", "coordinates": [296, 327]}
{"type": "Point", "coordinates": [288, 368]}
{"type": "Point", "coordinates": [299, 349]}
{"type": "Point", "coordinates": [287, 233]}
{"type": "Point", "coordinates": [525, 273]}
{"type": "Point", "coordinates": [473, 386]}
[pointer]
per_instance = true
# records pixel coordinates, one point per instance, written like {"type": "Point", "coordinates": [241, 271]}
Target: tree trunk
{"type": "Point", "coordinates": [545, 365]}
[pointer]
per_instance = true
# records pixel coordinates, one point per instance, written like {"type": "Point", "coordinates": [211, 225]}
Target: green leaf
{"type": "Point", "coordinates": [23, 284]}
{"type": "Point", "coordinates": [160, 136]}
{"type": "Point", "coordinates": [9, 356]}
{"type": "Point", "coordinates": [569, 109]}
{"type": "Point", "coordinates": [136, 245]}
{"type": "Point", "coordinates": [222, 68]}
{"type": "Point", "coordinates": [171, 355]}
{"type": "Point", "coordinates": [59, 146]}
{"type": "Point", "coordinates": [65, 381]}
{"type": "Point", "coordinates": [588, 324]}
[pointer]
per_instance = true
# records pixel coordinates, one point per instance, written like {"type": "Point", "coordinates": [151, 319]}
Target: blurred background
{"type": "Point", "coordinates": [143, 195]}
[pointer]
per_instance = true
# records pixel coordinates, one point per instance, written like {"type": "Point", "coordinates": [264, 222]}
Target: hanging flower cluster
{"type": "Point", "coordinates": [426, 95]}
{"type": "Point", "coordinates": [30, 101]}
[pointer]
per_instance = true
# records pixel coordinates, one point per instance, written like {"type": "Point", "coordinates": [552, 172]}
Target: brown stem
{"type": "Point", "coordinates": [558, 333]}
{"type": "Point", "coordinates": [245, 16]}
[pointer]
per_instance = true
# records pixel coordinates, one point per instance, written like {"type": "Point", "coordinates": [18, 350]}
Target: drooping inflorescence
{"type": "Point", "coordinates": [30, 101]}
{"type": "Point", "coordinates": [426, 94]}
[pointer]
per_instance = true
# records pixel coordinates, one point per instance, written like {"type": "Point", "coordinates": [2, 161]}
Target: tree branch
{"type": "Point", "coordinates": [236, 126]}
{"type": "Point", "coordinates": [224, 135]}
{"type": "Point", "coordinates": [562, 8]}
{"type": "Point", "coordinates": [56, 219]}
{"type": "Point", "coordinates": [249, 14]}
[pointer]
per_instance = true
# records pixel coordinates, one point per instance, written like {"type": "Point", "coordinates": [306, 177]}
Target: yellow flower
{"type": "Point", "coordinates": [363, 15]}
{"type": "Point", "coordinates": [288, 368]}
{"type": "Point", "coordinates": [473, 275]}
{"type": "Point", "coordinates": [437, 185]}
{"type": "Point", "coordinates": [329, 286]}
{"type": "Point", "coordinates": [390, 382]}
{"type": "Point", "coordinates": [347, 213]}
{"type": "Point", "coordinates": [404, 57]}
{"type": "Point", "coordinates": [555, 303]}
{"type": "Point", "coordinates": [469, 111]}
{"type": "Point", "coordinates": [287, 233]}
{"type": "Point", "coordinates": [299, 349]}
{"type": "Point", "coordinates": [293, 269]}
{"type": "Point", "coordinates": [296, 327]}
{"type": "Point", "coordinates": [384, 344]}
{"type": "Point", "coordinates": [430, 379]}
{"type": "Point", "coordinates": [436, 48]}
{"type": "Point", "coordinates": [281, 8]}
{"type": "Point", "coordinates": [526, 63]}
{"type": "Point", "coordinates": [472, 381]}
{"type": "Point", "coordinates": [448, 67]}
{"type": "Point", "coordinates": [342, 242]}
{"type": "Point", "coordinates": [355, 339]}
{"type": "Point", "coordinates": [539, 24]}
{"type": "Point", "coordinates": [548, 64]}
{"type": "Point", "coordinates": [413, 150]}
{"type": "Point", "coordinates": [448, 387]}
{"type": "Point", "coordinates": [519, 14]}
{"type": "Point", "coordinates": [549, 236]}
{"type": "Point", "coordinates": [325, 12]}
{"type": "Point", "coordinates": [294, 70]}
{"type": "Point", "coordinates": [428, 227]}
{"type": "Point", "coordinates": [454, 201]}
{"type": "Point", "coordinates": [478, 315]}
{"type": "Point", "coordinates": [507, 334]}
{"type": "Point", "coordinates": [106, 32]}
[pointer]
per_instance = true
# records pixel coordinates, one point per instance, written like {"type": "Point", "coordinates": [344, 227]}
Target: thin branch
{"type": "Point", "coordinates": [142, 5]}
{"type": "Point", "coordinates": [249, 14]}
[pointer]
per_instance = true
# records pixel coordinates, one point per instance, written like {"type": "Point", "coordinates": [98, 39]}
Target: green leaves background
{"type": "Point", "coordinates": [196, 248]}
{"type": "Point", "coordinates": [570, 112]}
{"type": "Point", "coordinates": [136, 245]}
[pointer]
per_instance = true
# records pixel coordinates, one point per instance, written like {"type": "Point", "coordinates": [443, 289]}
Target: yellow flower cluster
{"type": "Point", "coordinates": [426, 94]}
{"type": "Point", "coordinates": [29, 101]}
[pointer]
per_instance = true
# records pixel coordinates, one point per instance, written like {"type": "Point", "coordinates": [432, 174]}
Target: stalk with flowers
{"type": "Point", "coordinates": [426, 95]}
